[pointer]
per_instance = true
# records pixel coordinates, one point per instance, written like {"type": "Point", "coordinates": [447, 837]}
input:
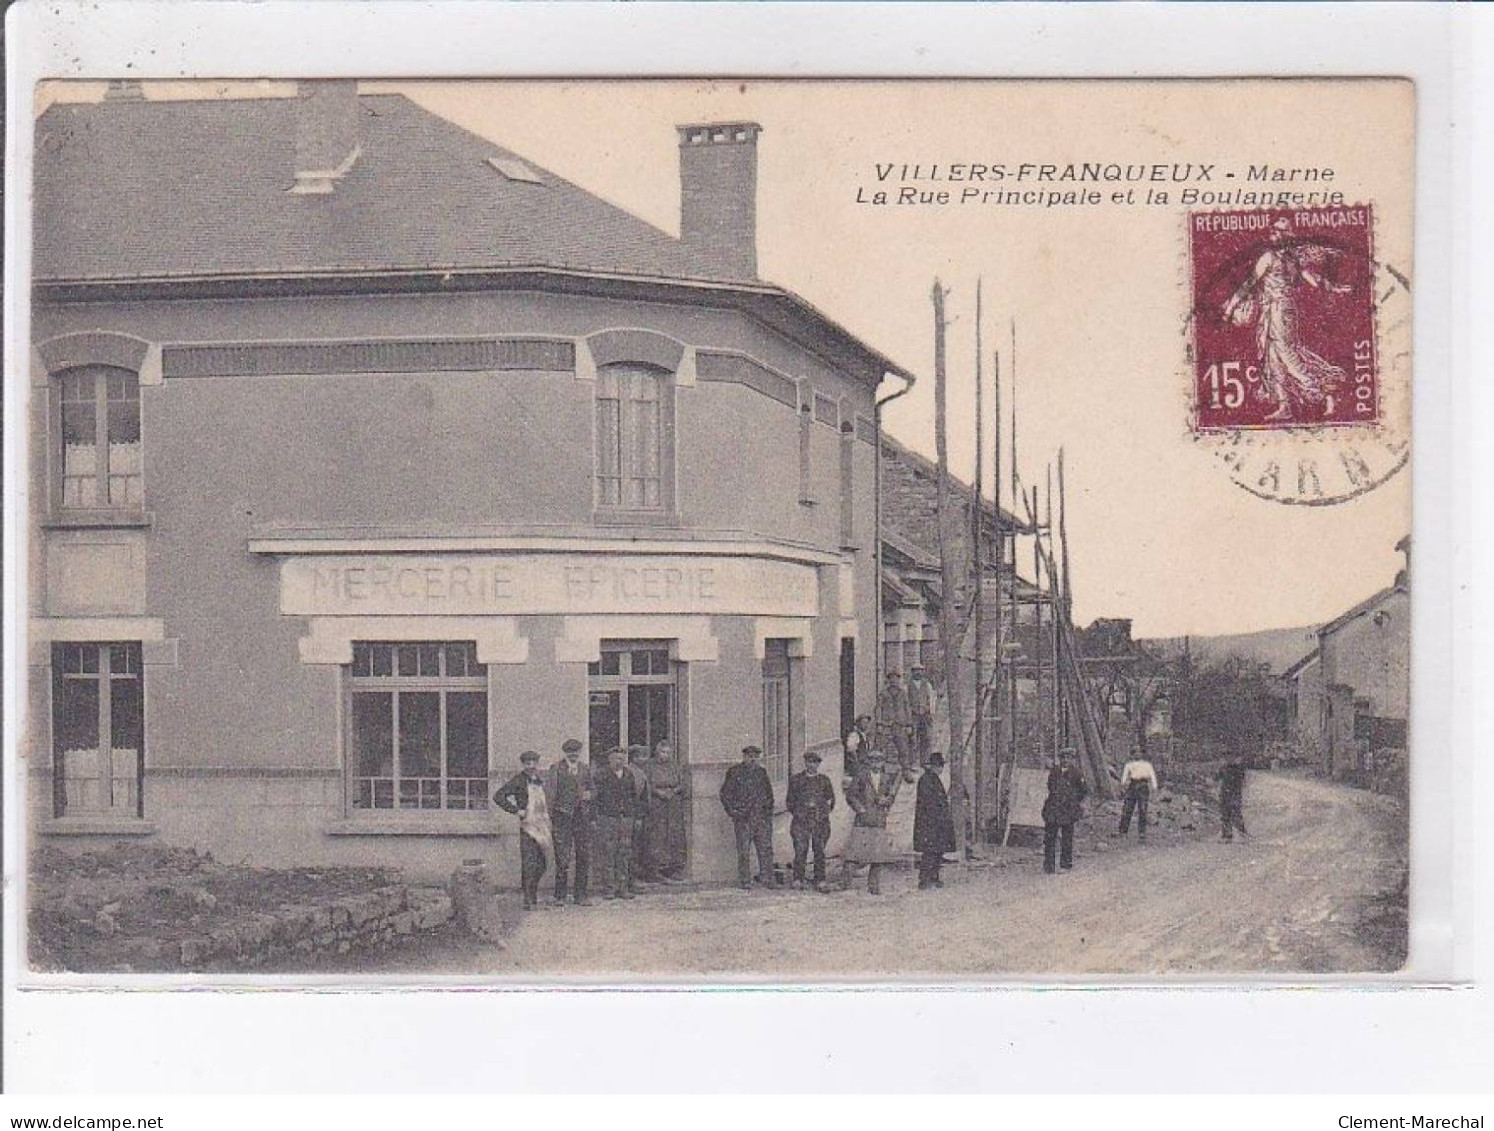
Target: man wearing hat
{"type": "Point", "coordinates": [933, 827]}
{"type": "Point", "coordinates": [894, 720]}
{"type": "Point", "coordinates": [524, 795]}
{"type": "Point", "coordinates": [619, 805]}
{"type": "Point", "coordinates": [569, 793]}
{"type": "Point", "coordinates": [1063, 806]}
{"type": "Point", "coordinates": [811, 798]}
{"type": "Point", "coordinates": [921, 707]}
{"type": "Point", "coordinates": [747, 797]}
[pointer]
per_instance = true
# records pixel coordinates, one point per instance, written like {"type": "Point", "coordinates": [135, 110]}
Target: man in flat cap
{"type": "Point", "coordinates": [895, 721]}
{"type": "Point", "coordinates": [619, 805]}
{"type": "Point", "coordinates": [747, 797]}
{"type": "Point", "coordinates": [811, 797]}
{"type": "Point", "coordinates": [569, 792]}
{"type": "Point", "coordinates": [524, 795]}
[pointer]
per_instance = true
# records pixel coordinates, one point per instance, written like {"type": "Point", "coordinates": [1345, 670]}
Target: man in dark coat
{"type": "Point", "coordinates": [619, 806]}
{"type": "Point", "coordinates": [1063, 807]}
{"type": "Point", "coordinates": [747, 797]}
{"type": "Point", "coordinates": [1232, 798]}
{"type": "Point", "coordinates": [569, 792]}
{"type": "Point", "coordinates": [933, 827]}
{"type": "Point", "coordinates": [811, 798]}
{"type": "Point", "coordinates": [524, 795]}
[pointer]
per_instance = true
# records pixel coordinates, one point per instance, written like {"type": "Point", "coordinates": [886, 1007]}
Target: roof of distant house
{"type": "Point", "coordinates": [1369, 604]}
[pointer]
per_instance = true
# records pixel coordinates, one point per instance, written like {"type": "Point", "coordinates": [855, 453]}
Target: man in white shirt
{"type": "Point", "coordinates": [1138, 782]}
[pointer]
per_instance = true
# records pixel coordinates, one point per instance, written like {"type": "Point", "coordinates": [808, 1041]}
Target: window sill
{"type": "Point", "coordinates": [100, 825]}
{"type": "Point", "coordinates": [634, 518]}
{"type": "Point", "coordinates": [85, 520]}
{"type": "Point", "coordinates": [423, 824]}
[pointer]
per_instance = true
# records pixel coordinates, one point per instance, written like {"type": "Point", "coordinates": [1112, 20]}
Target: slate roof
{"type": "Point", "coordinates": [191, 196]}
{"type": "Point", "coordinates": [160, 189]}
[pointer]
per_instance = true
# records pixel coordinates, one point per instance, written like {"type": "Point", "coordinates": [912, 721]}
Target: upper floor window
{"type": "Point", "coordinates": [634, 427]}
{"type": "Point", "coordinates": [100, 453]}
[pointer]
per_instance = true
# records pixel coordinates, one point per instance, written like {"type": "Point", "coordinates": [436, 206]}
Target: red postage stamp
{"type": "Point", "coordinates": [1283, 318]}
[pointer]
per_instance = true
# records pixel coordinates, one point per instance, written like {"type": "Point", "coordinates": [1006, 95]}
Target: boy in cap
{"type": "Point", "coordinates": [569, 792]}
{"type": "Point", "coordinates": [747, 797]}
{"type": "Point", "coordinates": [524, 795]}
{"type": "Point", "coordinates": [811, 798]}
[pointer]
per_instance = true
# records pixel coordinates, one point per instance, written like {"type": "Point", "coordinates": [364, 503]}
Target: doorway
{"type": "Point", "coordinates": [631, 696]}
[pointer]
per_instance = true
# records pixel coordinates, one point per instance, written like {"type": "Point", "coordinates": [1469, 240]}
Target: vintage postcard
{"type": "Point", "coordinates": [781, 531]}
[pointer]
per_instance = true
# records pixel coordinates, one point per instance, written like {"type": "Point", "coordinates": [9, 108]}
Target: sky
{"type": "Point", "coordinates": [1097, 296]}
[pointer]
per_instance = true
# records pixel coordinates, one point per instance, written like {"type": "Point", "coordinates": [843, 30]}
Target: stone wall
{"type": "Point", "coordinates": [356, 922]}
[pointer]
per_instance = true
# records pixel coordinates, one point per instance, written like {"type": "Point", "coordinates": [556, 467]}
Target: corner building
{"type": "Point", "coordinates": [367, 454]}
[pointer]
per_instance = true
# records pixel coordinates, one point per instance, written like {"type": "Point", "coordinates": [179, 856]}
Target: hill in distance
{"type": "Point", "coordinates": [1278, 647]}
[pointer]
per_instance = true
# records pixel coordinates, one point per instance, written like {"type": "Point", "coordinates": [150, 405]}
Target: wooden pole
{"type": "Point", "coordinates": [1037, 607]}
{"type": "Point", "coordinates": [946, 559]}
{"type": "Point", "coordinates": [1055, 599]}
{"type": "Point", "coordinates": [997, 694]}
{"type": "Point", "coordinates": [1011, 669]}
{"type": "Point", "coordinates": [1068, 596]}
{"type": "Point", "coordinates": [977, 554]}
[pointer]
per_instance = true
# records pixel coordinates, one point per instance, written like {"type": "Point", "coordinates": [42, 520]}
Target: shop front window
{"type": "Point", "coordinates": [418, 726]}
{"type": "Point", "coordinates": [98, 729]}
{"type": "Point", "coordinates": [631, 696]}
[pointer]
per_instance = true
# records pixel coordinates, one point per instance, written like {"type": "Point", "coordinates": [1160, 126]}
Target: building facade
{"type": "Point", "coordinates": [368, 455]}
{"type": "Point", "coordinates": [1350, 699]}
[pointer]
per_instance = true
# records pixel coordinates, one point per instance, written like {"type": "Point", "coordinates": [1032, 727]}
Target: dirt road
{"type": "Point", "coordinates": [1289, 899]}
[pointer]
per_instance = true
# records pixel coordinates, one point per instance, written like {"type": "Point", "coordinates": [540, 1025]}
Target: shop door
{"type": "Point", "coordinates": [776, 701]}
{"type": "Point", "coordinates": [631, 696]}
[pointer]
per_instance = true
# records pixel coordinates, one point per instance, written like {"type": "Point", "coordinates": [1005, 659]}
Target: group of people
{"type": "Point", "coordinates": [870, 787]}
{"type": "Point", "coordinates": [627, 814]}
{"type": "Point", "coordinates": [1064, 804]}
{"type": "Point", "coordinates": [905, 717]}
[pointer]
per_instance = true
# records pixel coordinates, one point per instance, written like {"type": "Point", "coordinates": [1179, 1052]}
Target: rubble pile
{"type": "Point", "coordinates": [134, 908]}
{"type": "Point", "coordinates": [1172, 815]}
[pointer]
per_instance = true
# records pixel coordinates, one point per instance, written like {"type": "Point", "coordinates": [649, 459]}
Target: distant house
{"type": "Point", "coordinates": [912, 588]}
{"type": "Point", "coordinates": [1351, 696]}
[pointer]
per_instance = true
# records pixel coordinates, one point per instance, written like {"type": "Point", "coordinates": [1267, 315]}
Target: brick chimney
{"type": "Point", "coordinates": [124, 90]}
{"type": "Point", "coordinates": [326, 134]}
{"type": "Point", "coordinates": [718, 195]}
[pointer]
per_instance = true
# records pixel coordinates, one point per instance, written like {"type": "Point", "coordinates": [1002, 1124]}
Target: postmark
{"type": "Point", "coordinates": [1298, 352]}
